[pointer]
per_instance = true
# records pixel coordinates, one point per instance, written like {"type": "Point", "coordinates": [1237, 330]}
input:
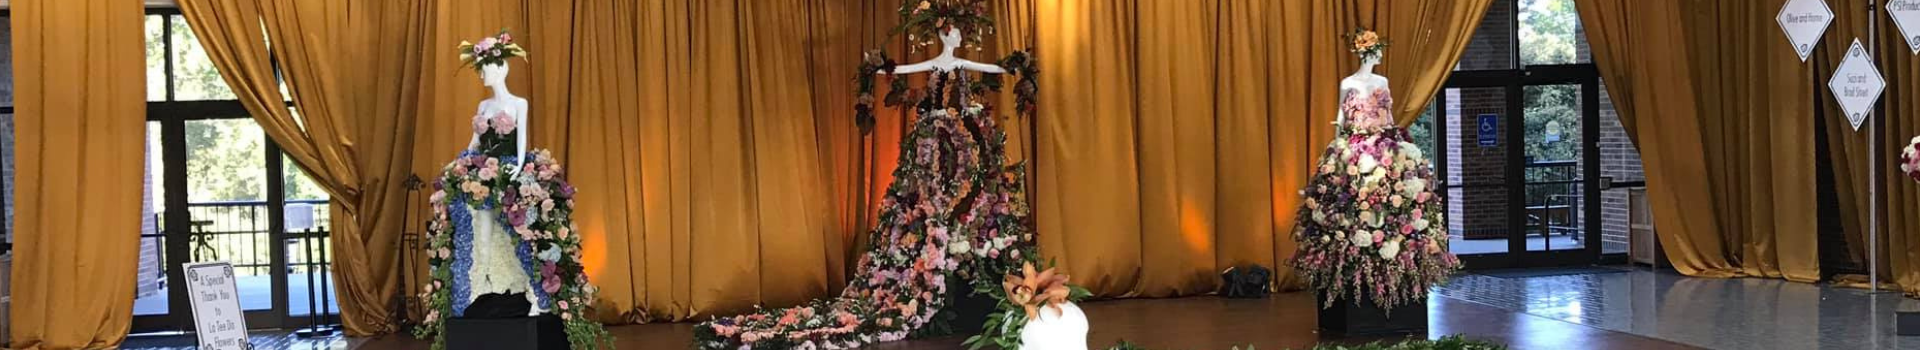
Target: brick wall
{"type": "Point", "coordinates": [1477, 207]}
{"type": "Point", "coordinates": [1479, 204]}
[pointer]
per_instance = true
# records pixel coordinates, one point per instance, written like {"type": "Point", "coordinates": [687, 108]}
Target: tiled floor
{"type": "Point", "coordinates": [1744, 313]}
{"type": "Point", "coordinates": [1640, 309]}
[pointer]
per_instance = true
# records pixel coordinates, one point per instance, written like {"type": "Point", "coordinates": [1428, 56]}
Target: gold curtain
{"type": "Point", "coordinates": [81, 123]}
{"type": "Point", "coordinates": [345, 123]}
{"type": "Point", "coordinates": [1756, 120]}
{"type": "Point", "coordinates": [1174, 135]}
{"type": "Point", "coordinates": [1897, 125]}
{"type": "Point", "coordinates": [1719, 111]}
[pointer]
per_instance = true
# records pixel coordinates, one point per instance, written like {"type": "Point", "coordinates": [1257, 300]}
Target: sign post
{"type": "Point", "coordinates": [217, 319]}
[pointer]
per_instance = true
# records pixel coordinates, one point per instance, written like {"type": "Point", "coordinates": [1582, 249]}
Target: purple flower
{"type": "Point", "coordinates": [550, 280]}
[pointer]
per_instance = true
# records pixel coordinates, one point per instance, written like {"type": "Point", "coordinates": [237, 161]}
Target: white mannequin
{"type": "Point", "coordinates": [946, 62]}
{"type": "Point", "coordinates": [496, 264]}
{"type": "Point", "coordinates": [495, 76]}
{"type": "Point", "coordinates": [1361, 83]}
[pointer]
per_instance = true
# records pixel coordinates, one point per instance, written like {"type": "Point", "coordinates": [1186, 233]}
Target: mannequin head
{"type": "Point", "coordinates": [494, 75]}
{"type": "Point", "coordinates": [950, 38]}
{"type": "Point", "coordinates": [1372, 59]}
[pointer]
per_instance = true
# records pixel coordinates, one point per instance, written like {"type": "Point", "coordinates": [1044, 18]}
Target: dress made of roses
{"type": "Point", "coordinates": [1371, 226]}
{"type": "Point", "coordinates": [953, 212]}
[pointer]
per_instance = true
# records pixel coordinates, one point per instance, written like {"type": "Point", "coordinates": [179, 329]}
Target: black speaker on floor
{"type": "Point", "coordinates": [1906, 322]}
{"type": "Point", "coordinates": [544, 332]}
{"type": "Point", "coordinates": [1346, 317]}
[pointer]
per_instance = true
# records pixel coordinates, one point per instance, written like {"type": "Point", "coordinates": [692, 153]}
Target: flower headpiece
{"type": "Point", "coordinates": [1366, 43]}
{"type": "Point", "coordinates": [491, 50]}
{"type": "Point", "coordinates": [924, 20]}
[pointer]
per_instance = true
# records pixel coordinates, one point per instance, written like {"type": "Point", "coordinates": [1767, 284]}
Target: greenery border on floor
{"type": "Point", "coordinates": [1453, 342]}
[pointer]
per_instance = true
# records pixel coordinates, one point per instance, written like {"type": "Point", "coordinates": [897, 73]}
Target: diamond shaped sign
{"type": "Point", "coordinates": [1805, 21]}
{"type": "Point", "coordinates": [1906, 15]}
{"type": "Point", "coordinates": [1856, 84]}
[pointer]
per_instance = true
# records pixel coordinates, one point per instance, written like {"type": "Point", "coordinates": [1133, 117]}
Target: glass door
{"type": "Point", "coordinates": [1559, 157]}
{"type": "Point", "coordinates": [219, 190]}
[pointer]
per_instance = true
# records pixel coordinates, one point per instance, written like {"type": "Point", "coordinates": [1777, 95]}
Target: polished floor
{"type": "Point", "coordinates": [1641, 309]}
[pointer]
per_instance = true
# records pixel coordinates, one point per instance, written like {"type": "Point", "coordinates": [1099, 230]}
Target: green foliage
{"type": "Point", "coordinates": [1548, 31]}
{"type": "Point", "coordinates": [1453, 342]}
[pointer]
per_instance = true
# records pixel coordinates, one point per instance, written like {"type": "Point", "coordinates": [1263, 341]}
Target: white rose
{"type": "Point", "coordinates": [1410, 150]}
{"type": "Point", "coordinates": [1421, 224]}
{"type": "Point", "coordinates": [1362, 239]}
{"type": "Point", "coordinates": [959, 246]}
{"type": "Point", "coordinates": [1367, 163]}
{"type": "Point", "coordinates": [1414, 186]}
{"type": "Point", "coordinates": [1389, 250]}
{"type": "Point", "coordinates": [1320, 217]}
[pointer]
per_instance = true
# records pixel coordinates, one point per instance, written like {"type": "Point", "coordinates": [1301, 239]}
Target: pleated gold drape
{"type": "Point", "coordinates": [1898, 122]}
{"type": "Point", "coordinates": [1174, 135]}
{"type": "Point", "coordinates": [81, 123]}
{"type": "Point", "coordinates": [346, 122]}
{"type": "Point", "coordinates": [1719, 109]}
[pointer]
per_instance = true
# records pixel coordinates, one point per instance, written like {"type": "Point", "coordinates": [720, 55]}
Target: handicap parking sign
{"type": "Point", "coordinates": [1489, 130]}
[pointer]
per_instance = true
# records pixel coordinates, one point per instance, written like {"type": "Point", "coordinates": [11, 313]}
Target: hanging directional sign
{"type": "Point", "coordinates": [1856, 84]}
{"type": "Point", "coordinates": [1805, 21]}
{"type": "Point", "coordinates": [1906, 15]}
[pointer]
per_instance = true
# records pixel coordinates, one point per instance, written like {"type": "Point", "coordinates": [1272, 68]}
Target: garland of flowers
{"type": "Point", "coordinates": [1371, 226]}
{"type": "Point", "coordinates": [1910, 159]}
{"type": "Point", "coordinates": [536, 203]}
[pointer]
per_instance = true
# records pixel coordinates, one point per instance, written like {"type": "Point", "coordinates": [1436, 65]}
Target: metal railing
{"type": "Point", "coordinates": [238, 232]}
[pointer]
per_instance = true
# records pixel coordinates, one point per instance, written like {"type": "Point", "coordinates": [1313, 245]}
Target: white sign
{"type": "Point", "coordinates": [1856, 84]}
{"type": "Point", "coordinates": [1804, 21]}
{"type": "Point", "coordinates": [1906, 15]}
{"type": "Point", "coordinates": [217, 318]}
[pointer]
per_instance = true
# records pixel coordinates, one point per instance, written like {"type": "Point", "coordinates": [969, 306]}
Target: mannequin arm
{"type": "Point", "coordinates": [981, 67]}
{"type": "Point", "coordinates": [912, 68]}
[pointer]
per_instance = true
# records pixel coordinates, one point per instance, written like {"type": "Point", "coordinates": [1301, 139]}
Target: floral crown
{"type": "Point", "coordinates": [495, 49]}
{"type": "Point", "coordinates": [926, 19]}
{"type": "Point", "coordinates": [1366, 43]}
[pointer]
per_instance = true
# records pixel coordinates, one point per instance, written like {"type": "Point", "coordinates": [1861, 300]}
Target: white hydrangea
{"type": "Point", "coordinates": [1390, 250]}
{"type": "Point", "coordinates": [1367, 163]}
{"type": "Point", "coordinates": [1361, 239]}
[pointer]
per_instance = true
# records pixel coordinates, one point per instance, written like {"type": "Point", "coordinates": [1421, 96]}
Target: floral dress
{"type": "Point", "coordinates": [1371, 226]}
{"type": "Point", "coordinates": [954, 216]}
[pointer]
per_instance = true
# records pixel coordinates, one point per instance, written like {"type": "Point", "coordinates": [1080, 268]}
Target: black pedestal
{"type": "Point", "coordinates": [1906, 322]}
{"type": "Point", "coordinates": [1364, 318]}
{"type": "Point", "coordinates": [969, 311]}
{"type": "Point", "coordinates": [534, 333]}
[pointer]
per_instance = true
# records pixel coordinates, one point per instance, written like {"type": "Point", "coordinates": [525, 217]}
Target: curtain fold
{"type": "Point", "coordinates": [1739, 153]}
{"type": "Point", "coordinates": [1758, 137]}
{"type": "Point", "coordinates": [342, 126]}
{"type": "Point", "coordinates": [1642, 54]}
{"type": "Point", "coordinates": [81, 123]}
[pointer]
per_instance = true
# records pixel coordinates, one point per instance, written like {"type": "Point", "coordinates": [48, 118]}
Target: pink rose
{"type": "Point", "coordinates": [484, 45]}
{"type": "Point", "coordinates": [479, 123]}
{"type": "Point", "coordinates": [503, 123]}
{"type": "Point", "coordinates": [563, 304]}
{"type": "Point", "coordinates": [506, 38]}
